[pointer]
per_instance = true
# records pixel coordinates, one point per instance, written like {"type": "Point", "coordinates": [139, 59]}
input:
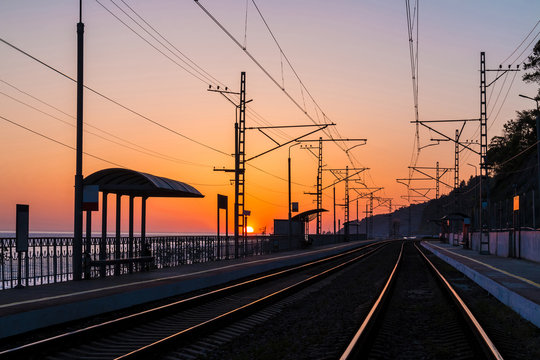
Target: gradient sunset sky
{"type": "Point", "coordinates": [352, 56]}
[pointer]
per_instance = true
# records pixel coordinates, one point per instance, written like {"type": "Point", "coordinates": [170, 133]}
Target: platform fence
{"type": "Point", "coordinates": [49, 259]}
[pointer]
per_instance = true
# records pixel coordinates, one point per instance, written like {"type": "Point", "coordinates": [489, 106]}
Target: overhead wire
{"type": "Point", "coordinates": [317, 108]}
{"type": "Point", "coordinates": [207, 77]}
{"type": "Point", "coordinates": [261, 67]}
{"type": "Point", "coordinates": [413, 19]}
{"type": "Point", "coordinates": [59, 142]}
{"type": "Point", "coordinates": [147, 41]}
{"type": "Point", "coordinates": [116, 102]}
{"type": "Point", "coordinates": [134, 147]}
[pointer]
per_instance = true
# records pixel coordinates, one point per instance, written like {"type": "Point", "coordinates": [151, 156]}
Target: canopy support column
{"type": "Point", "coordinates": [117, 239]}
{"type": "Point", "coordinates": [103, 242]}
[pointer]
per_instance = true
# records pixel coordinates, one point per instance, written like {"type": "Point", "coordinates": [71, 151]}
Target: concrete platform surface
{"type": "Point", "coordinates": [23, 310]}
{"type": "Point", "coordinates": [514, 282]}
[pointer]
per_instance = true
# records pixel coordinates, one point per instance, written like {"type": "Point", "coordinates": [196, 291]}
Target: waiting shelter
{"type": "Point", "coordinates": [455, 228]}
{"type": "Point", "coordinates": [126, 182]}
{"type": "Point", "coordinates": [305, 218]}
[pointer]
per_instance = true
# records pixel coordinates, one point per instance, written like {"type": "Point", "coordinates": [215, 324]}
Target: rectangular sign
{"type": "Point", "coordinates": [222, 201]}
{"type": "Point", "coordinates": [22, 227]}
{"type": "Point", "coordinates": [294, 206]}
{"type": "Point", "coordinates": [91, 198]}
{"type": "Point", "coordinates": [247, 212]}
{"type": "Point", "coordinates": [516, 203]}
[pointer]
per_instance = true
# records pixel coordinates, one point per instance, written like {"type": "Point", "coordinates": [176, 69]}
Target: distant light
{"type": "Point", "coordinates": [249, 229]}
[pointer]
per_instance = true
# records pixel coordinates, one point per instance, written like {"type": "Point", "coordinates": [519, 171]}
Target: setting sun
{"type": "Point", "coordinates": [249, 229]}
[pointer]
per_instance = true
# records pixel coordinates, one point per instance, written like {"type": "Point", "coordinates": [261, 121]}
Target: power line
{"type": "Point", "coordinates": [116, 102]}
{"type": "Point", "coordinates": [168, 42]}
{"type": "Point", "coordinates": [148, 152]}
{"type": "Point", "coordinates": [135, 112]}
{"type": "Point", "coordinates": [521, 43]}
{"type": "Point", "coordinates": [59, 142]}
{"type": "Point", "coordinates": [325, 120]}
{"type": "Point", "coordinates": [261, 67]}
{"type": "Point", "coordinates": [157, 154]}
{"type": "Point", "coordinates": [208, 78]}
{"type": "Point", "coordinates": [147, 41]}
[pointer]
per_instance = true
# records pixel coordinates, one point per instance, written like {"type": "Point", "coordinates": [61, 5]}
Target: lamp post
{"type": "Point", "coordinates": [289, 178]}
{"type": "Point", "coordinates": [537, 141]}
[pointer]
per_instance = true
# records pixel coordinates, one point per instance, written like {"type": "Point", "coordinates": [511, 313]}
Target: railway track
{"type": "Point", "coordinates": [418, 315]}
{"type": "Point", "coordinates": [151, 332]}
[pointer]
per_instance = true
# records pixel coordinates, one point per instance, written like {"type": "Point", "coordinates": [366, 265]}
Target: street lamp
{"type": "Point", "coordinates": [289, 178]}
{"type": "Point", "coordinates": [530, 98]}
{"type": "Point", "coordinates": [474, 166]}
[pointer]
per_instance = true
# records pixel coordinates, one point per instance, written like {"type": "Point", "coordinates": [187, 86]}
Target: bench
{"type": "Point", "coordinates": [142, 259]}
{"type": "Point", "coordinates": [117, 262]}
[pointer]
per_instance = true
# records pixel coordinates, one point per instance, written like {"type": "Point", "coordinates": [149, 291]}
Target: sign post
{"type": "Point", "coordinates": [223, 203]}
{"type": "Point", "coordinates": [90, 203]}
{"type": "Point", "coordinates": [21, 238]}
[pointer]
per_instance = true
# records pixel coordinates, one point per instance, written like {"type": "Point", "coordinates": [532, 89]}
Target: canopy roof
{"type": "Point", "coordinates": [136, 183]}
{"type": "Point", "coordinates": [307, 216]}
{"type": "Point", "coordinates": [455, 216]}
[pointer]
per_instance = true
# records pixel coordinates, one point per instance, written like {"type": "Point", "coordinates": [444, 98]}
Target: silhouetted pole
{"type": "Point", "coordinates": [236, 187]}
{"type": "Point", "coordinates": [334, 188]}
{"type": "Point", "coordinates": [78, 228]}
{"type": "Point", "coordinates": [289, 206]}
{"type": "Point", "coordinates": [367, 227]}
{"type": "Point", "coordinates": [537, 145]}
{"type": "Point", "coordinates": [103, 242]}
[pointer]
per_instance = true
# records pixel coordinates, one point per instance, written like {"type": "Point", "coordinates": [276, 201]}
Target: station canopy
{"type": "Point", "coordinates": [307, 216]}
{"type": "Point", "coordinates": [135, 183]}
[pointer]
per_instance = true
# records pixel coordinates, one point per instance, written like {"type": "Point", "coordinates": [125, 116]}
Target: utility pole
{"type": "Point", "coordinates": [239, 160]}
{"type": "Point", "coordinates": [371, 213]}
{"type": "Point", "coordinates": [346, 223]}
{"type": "Point", "coordinates": [346, 205]}
{"type": "Point", "coordinates": [77, 231]}
{"type": "Point", "coordinates": [318, 192]}
{"type": "Point", "coordinates": [437, 179]}
{"type": "Point", "coordinates": [439, 173]}
{"type": "Point", "coordinates": [389, 218]}
{"type": "Point", "coordinates": [484, 210]}
{"type": "Point", "coordinates": [369, 219]}
{"type": "Point", "coordinates": [456, 161]}
{"type": "Point", "coordinates": [240, 163]}
{"type": "Point", "coordinates": [334, 189]}
{"type": "Point", "coordinates": [485, 224]}
{"type": "Point", "coordinates": [240, 157]}
{"type": "Point", "coordinates": [320, 188]}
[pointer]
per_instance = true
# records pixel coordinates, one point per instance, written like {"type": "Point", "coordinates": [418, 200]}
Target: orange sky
{"type": "Point", "coordinates": [352, 56]}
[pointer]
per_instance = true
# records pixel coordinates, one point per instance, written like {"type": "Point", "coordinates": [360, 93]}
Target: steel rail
{"type": "Point", "coordinates": [487, 346]}
{"type": "Point", "coordinates": [363, 333]}
{"type": "Point", "coordinates": [241, 312]}
{"type": "Point", "coordinates": [360, 339]}
{"type": "Point", "coordinates": [83, 334]}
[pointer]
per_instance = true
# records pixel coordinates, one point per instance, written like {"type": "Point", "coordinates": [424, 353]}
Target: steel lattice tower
{"type": "Point", "coordinates": [346, 224]}
{"type": "Point", "coordinates": [437, 178]}
{"type": "Point", "coordinates": [484, 219]}
{"type": "Point", "coordinates": [319, 188]}
{"type": "Point", "coordinates": [456, 161]}
{"type": "Point", "coordinates": [240, 165]}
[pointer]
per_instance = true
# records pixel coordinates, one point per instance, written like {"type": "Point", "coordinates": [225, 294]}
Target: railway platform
{"type": "Point", "coordinates": [514, 282]}
{"type": "Point", "coordinates": [36, 307]}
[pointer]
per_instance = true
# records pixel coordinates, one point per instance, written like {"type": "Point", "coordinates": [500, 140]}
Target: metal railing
{"type": "Point", "coordinates": [49, 259]}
